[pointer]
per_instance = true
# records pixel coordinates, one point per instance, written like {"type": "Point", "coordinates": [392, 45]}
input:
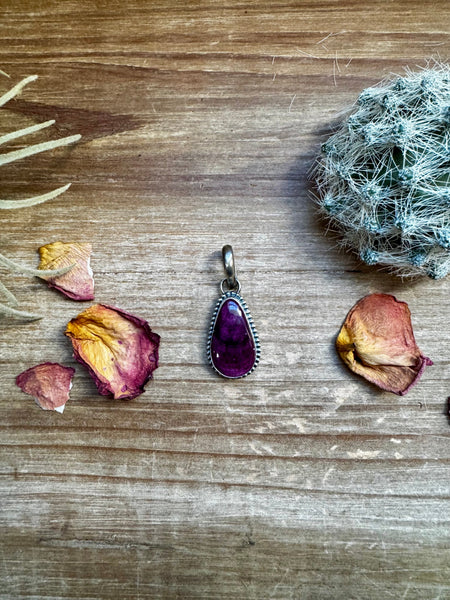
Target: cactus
{"type": "Point", "coordinates": [383, 179]}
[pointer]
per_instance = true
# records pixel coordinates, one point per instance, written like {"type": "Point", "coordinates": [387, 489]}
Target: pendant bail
{"type": "Point", "coordinates": [230, 269]}
{"type": "Point", "coordinates": [233, 345]}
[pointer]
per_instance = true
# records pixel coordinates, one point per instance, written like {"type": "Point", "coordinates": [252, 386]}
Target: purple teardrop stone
{"type": "Point", "coordinates": [233, 348]}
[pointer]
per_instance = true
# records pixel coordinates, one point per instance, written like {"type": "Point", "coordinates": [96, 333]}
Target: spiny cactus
{"type": "Point", "coordinates": [384, 176]}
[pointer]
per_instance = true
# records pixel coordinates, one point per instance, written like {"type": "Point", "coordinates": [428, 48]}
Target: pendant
{"type": "Point", "coordinates": [233, 345]}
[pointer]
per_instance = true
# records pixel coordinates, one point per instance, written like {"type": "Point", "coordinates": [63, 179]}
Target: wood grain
{"type": "Point", "coordinates": [200, 123]}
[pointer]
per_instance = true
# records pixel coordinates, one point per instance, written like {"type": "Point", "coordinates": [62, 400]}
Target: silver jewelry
{"type": "Point", "coordinates": [233, 347]}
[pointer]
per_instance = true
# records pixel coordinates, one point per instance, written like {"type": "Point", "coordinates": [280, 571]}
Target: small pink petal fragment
{"type": "Point", "coordinates": [78, 283]}
{"type": "Point", "coordinates": [49, 384]}
{"type": "Point", "coordinates": [377, 342]}
{"type": "Point", "coordinates": [119, 350]}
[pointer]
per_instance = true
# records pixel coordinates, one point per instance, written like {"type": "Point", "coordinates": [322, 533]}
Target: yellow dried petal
{"type": "Point", "coordinates": [377, 342]}
{"type": "Point", "coordinates": [119, 349]}
{"type": "Point", "coordinates": [77, 283]}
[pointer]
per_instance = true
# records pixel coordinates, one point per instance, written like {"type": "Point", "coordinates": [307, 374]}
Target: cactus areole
{"type": "Point", "coordinates": [383, 179]}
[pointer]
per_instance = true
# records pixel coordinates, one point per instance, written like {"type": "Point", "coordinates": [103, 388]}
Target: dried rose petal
{"type": "Point", "coordinates": [377, 342]}
{"type": "Point", "coordinates": [78, 283]}
{"type": "Point", "coordinates": [119, 350]}
{"type": "Point", "coordinates": [49, 383]}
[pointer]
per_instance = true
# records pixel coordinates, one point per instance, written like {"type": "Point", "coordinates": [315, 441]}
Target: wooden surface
{"type": "Point", "coordinates": [200, 121]}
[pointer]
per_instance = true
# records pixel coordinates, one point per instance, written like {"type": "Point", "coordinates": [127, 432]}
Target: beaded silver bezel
{"type": "Point", "coordinates": [240, 300]}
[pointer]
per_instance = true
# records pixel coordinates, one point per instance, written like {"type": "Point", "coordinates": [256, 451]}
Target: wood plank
{"type": "Point", "coordinates": [201, 122]}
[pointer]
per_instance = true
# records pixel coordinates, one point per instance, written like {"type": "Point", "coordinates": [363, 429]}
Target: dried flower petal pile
{"type": "Point", "coordinates": [119, 350]}
{"type": "Point", "coordinates": [78, 283]}
{"type": "Point", "coordinates": [49, 384]}
{"type": "Point", "coordinates": [377, 342]}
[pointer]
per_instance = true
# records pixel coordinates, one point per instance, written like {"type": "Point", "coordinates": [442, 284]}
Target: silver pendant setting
{"type": "Point", "coordinates": [233, 348]}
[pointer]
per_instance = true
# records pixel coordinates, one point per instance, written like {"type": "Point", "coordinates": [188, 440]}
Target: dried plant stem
{"type": "Point", "coordinates": [8, 311]}
{"type": "Point", "coordinates": [16, 268]}
{"type": "Point", "coordinates": [26, 131]}
{"type": "Point", "coordinates": [36, 148]}
{"type": "Point", "coordinates": [9, 296]}
{"type": "Point", "coordinates": [10, 204]}
{"type": "Point", "coordinates": [16, 89]}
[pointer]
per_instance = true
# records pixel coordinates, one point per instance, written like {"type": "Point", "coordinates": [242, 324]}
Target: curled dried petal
{"type": "Point", "coordinates": [119, 350]}
{"type": "Point", "coordinates": [377, 342]}
{"type": "Point", "coordinates": [49, 384]}
{"type": "Point", "coordinates": [78, 283]}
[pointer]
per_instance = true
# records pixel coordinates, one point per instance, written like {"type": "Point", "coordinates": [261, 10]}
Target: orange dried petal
{"type": "Point", "coordinates": [49, 384]}
{"type": "Point", "coordinates": [78, 283]}
{"type": "Point", "coordinates": [377, 342]}
{"type": "Point", "coordinates": [119, 350]}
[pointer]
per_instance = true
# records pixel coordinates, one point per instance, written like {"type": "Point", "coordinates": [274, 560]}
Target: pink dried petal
{"type": "Point", "coordinates": [119, 350]}
{"type": "Point", "coordinates": [49, 383]}
{"type": "Point", "coordinates": [78, 283]}
{"type": "Point", "coordinates": [377, 342]}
